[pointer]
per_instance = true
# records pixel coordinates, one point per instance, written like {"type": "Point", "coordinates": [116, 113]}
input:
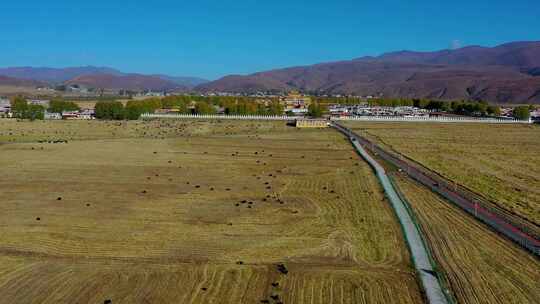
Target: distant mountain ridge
{"type": "Point", "coordinates": [133, 82]}
{"type": "Point", "coordinates": [503, 74]}
{"type": "Point", "coordinates": [73, 74]}
{"type": "Point", "coordinates": [16, 82]}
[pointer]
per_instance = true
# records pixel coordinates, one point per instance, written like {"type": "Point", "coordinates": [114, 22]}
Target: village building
{"type": "Point", "coordinates": [312, 123]}
{"type": "Point", "coordinates": [52, 116]}
{"type": "Point", "coordinates": [5, 107]}
{"type": "Point", "coordinates": [296, 104]}
{"type": "Point", "coordinates": [85, 114]}
{"type": "Point", "coordinates": [39, 102]}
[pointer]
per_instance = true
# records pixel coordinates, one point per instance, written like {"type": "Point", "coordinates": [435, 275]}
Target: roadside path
{"type": "Point", "coordinates": [419, 253]}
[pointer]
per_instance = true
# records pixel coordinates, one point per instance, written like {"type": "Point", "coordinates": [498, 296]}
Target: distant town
{"type": "Point", "coordinates": [293, 104]}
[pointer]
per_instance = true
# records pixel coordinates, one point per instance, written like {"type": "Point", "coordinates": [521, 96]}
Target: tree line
{"type": "Point", "coordinates": [22, 109]}
{"type": "Point", "coordinates": [187, 105]}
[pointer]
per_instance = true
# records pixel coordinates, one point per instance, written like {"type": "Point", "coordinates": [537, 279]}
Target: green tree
{"type": "Point", "coordinates": [113, 110]}
{"type": "Point", "coordinates": [521, 113]}
{"type": "Point", "coordinates": [493, 111]}
{"type": "Point", "coordinates": [59, 106]}
{"type": "Point", "coordinates": [19, 107]}
{"type": "Point", "coordinates": [203, 107]}
{"type": "Point", "coordinates": [35, 112]}
{"type": "Point", "coordinates": [276, 108]}
{"type": "Point", "coordinates": [315, 110]}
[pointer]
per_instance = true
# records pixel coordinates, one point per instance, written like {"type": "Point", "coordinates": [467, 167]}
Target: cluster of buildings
{"type": "Point", "coordinates": [5, 107]}
{"type": "Point", "coordinates": [365, 109]}
{"type": "Point", "coordinates": [296, 104]}
{"type": "Point", "coordinates": [83, 114]}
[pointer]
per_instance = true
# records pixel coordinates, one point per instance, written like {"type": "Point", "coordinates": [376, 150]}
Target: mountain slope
{"type": "Point", "coordinates": [134, 82]}
{"type": "Point", "coordinates": [61, 75]}
{"type": "Point", "coordinates": [500, 74]}
{"type": "Point", "coordinates": [15, 82]}
{"type": "Point", "coordinates": [53, 75]}
{"type": "Point", "coordinates": [183, 81]}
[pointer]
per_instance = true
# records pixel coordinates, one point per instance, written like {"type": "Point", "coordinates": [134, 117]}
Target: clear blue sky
{"type": "Point", "coordinates": [210, 39]}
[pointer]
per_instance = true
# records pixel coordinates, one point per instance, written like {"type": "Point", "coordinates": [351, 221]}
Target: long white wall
{"type": "Point", "coordinates": [356, 118]}
{"type": "Point", "coordinates": [432, 119]}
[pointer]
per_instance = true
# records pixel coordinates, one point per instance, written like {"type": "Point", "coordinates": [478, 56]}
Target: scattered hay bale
{"type": "Point", "coordinates": [59, 198]}
{"type": "Point", "coordinates": [239, 263]}
{"type": "Point", "coordinates": [275, 284]}
{"type": "Point", "coordinates": [204, 289]}
{"type": "Point", "coordinates": [143, 192]}
{"type": "Point", "coordinates": [87, 205]}
{"type": "Point", "coordinates": [38, 219]}
{"type": "Point", "coordinates": [107, 301]}
{"type": "Point", "coordinates": [281, 268]}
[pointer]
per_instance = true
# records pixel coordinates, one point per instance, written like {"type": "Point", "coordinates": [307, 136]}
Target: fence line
{"type": "Point", "coordinates": [441, 273]}
{"type": "Point", "coordinates": [520, 231]}
{"type": "Point", "coordinates": [351, 118]}
{"type": "Point", "coordinates": [215, 116]}
{"type": "Point", "coordinates": [422, 262]}
{"type": "Point", "coordinates": [432, 119]}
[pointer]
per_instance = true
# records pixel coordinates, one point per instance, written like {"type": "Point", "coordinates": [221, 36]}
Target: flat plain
{"type": "Point", "coordinates": [481, 266]}
{"type": "Point", "coordinates": [499, 162]}
{"type": "Point", "coordinates": [193, 212]}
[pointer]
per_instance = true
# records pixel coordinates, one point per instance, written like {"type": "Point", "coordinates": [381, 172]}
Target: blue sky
{"type": "Point", "coordinates": [210, 39]}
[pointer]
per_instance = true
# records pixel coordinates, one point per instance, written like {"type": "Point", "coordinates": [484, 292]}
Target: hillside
{"type": "Point", "coordinates": [134, 82]}
{"type": "Point", "coordinates": [15, 82]}
{"type": "Point", "coordinates": [55, 76]}
{"type": "Point", "coordinates": [504, 74]}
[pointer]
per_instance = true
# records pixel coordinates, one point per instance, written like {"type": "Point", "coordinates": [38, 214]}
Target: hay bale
{"type": "Point", "coordinates": [38, 219]}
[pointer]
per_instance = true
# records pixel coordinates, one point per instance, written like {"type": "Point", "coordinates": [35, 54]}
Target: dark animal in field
{"type": "Point", "coordinates": [281, 268]}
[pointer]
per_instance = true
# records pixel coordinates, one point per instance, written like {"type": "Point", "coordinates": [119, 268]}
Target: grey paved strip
{"type": "Point", "coordinates": [419, 253]}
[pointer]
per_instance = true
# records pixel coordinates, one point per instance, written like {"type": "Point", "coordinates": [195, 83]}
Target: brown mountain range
{"type": "Point", "coordinates": [16, 82]}
{"type": "Point", "coordinates": [504, 74]}
{"type": "Point", "coordinates": [134, 82]}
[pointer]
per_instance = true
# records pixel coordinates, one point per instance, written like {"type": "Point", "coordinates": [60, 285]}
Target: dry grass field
{"type": "Point", "coordinates": [193, 212]}
{"type": "Point", "coordinates": [481, 266]}
{"type": "Point", "coordinates": [498, 161]}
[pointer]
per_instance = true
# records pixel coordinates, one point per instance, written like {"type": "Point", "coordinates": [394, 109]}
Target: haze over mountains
{"type": "Point", "coordinates": [99, 77]}
{"type": "Point", "coordinates": [508, 73]}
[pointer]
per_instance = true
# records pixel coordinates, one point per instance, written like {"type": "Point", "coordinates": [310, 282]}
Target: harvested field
{"type": "Point", "coordinates": [193, 212]}
{"type": "Point", "coordinates": [482, 267]}
{"type": "Point", "coordinates": [498, 161]}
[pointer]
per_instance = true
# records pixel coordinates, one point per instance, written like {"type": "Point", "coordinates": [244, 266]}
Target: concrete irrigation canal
{"type": "Point", "coordinates": [419, 252]}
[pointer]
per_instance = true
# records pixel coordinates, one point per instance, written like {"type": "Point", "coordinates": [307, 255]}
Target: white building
{"type": "Point", "coordinates": [52, 116]}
